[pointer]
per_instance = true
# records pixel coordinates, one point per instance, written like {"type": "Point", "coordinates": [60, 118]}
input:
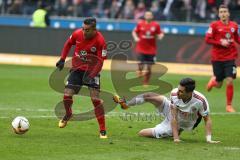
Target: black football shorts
{"type": "Point", "coordinates": [223, 69]}
{"type": "Point", "coordinates": [146, 59]}
{"type": "Point", "coordinates": [75, 81]}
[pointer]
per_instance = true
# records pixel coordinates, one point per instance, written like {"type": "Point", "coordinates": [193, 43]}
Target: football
{"type": "Point", "coordinates": [20, 125]}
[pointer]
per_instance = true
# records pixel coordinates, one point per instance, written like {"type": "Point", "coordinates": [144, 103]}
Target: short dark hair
{"type": "Point", "coordinates": [90, 21]}
{"type": "Point", "coordinates": [223, 6]}
{"type": "Point", "coordinates": [188, 83]}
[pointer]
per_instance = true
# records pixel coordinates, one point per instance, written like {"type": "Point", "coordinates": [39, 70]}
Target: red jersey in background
{"type": "Point", "coordinates": [219, 31]}
{"type": "Point", "coordinates": [147, 33]}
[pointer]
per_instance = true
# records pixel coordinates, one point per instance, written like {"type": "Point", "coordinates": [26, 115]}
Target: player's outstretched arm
{"type": "Point", "coordinates": [208, 127]}
{"type": "Point", "coordinates": [65, 51]}
{"type": "Point", "coordinates": [135, 36]}
{"type": "Point", "coordinates": [174, 124]}
{"type": "Point", "coordinates": [67, 46]}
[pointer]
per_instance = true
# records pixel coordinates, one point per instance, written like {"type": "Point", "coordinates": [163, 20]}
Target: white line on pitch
{"type": "Point", "coordinates": [232, 148]}
{"type": "Point", "coordinates": [112, 113]}
{"type": "Point", "coordinates": [27, 109]}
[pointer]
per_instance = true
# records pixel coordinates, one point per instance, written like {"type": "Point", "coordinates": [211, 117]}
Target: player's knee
{"type": "Point", "coordinates": [229, 81]}
{"type": "Point", "coordinates": [97, 100]}
{"type": "Point", "coordinates": [149, 67]}
{"type": "Point", "coordinates": [68, 92]}
{"type": "Point", "coordinates": [148, 73]}
{"type": "Point", "coordinates": [219, 85]}
{"type": "Point", "coordinates": [145, 133]}
{"type": "Point", "coordinates": [153, 97]}
{"type": "Point", "coordinates": [141, 133]}
{"type": "Point", "coordinates": [149, 95]}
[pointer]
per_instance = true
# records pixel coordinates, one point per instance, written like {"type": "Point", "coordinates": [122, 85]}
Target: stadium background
{"type": "Point", "coordinates": [184, 41]}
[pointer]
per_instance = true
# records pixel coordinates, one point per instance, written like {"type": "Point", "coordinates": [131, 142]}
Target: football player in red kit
{"type": "Point", "coordinates": [222, 35]}
{"type": "Point", "coordinates": [145, 34]}
{"type": "Point", "coordinates": [87, 61]}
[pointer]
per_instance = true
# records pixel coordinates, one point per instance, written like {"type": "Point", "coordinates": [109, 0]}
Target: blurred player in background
{"type": "Point", "coordinates": [222, 35]}
{"type": "Point", "coordinates": [89, 54]}
{"type": "Point", "coordinates": [183, 111]}
{"type": "Point", "coordinates": [145, 34]}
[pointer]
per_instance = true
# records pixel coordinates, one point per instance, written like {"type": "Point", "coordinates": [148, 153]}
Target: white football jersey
{"type": "Point", "coordinates": [189, 112]}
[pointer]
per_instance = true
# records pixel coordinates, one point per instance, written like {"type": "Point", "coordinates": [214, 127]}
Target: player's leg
{"type": "Point", "coordinates": [140, 65]}
{"type": "Point", "coordinates": [72, 87]}
{"type": "Point", "coordinates": [94, 88]}
{"type": "Point", "coordinates": [67, 102]}
{"type": "Point", "coordinates": [230, 73]}
{"type": "Point", "coordinates": [99, 111]}
{"type": "Point", "coordinates": [156, 99]}
{"type": "Point", "coordinates": [164, 128]}
{"type": "Point", "coordinates": [147, 75]}
{"type": "Point", "coordinates": [229, 94]}
{"type": "Point", "coordinates": [140, 69]}
{"type": "Point", "coordinates": [161, 130]}
{"type": "Point", "coordinates": [149, 61]}
{"type": "Point", "coordinates": [217, 79]}
{"type": "Point", "coordinates": [148, 132]}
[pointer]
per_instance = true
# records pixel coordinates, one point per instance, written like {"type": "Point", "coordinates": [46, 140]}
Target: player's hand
{"type": "Point", "coordinates": [160, 36]}
{"type": "Point", "coordinates": [136, 39]}
{"type": "Point", "coordinates": [213, 142]}
{"type": "Point", "coordinates": [224, 43]}
{"type": "Point", "coordinates": [60, 64]}
{"type": "Point", "coordinates": [177, 140]}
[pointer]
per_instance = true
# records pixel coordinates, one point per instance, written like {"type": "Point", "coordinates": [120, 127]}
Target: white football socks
{"type": "Point", "coordinates": [139, 99]}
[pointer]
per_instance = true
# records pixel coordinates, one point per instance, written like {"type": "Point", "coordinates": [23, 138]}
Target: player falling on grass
{"type": "Point", "coordinates": [222, 35]}
{"type": "Point", "coordinates": [87, 61]}
{"type": "Point", "coordinates": [145, 34]}
{"type": "Point", "coordinates": [183, 111]}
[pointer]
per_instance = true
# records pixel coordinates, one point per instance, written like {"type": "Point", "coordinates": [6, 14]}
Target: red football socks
{"type": "Point", "coordinates": [229, 94]}
{"type": "Point", "coordinates": [99, 112]}
{"type": "Point", "coordinates": [67, 101]}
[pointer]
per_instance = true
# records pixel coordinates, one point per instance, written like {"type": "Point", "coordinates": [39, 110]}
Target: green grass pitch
{"type": "Point", "coordinates": [25, 91]}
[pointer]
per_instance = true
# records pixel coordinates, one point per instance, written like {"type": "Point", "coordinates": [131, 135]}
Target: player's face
{"type": "Point", "coordinates": [148, 16]}
{"type": "Point", "coordinates": [223, 14]}
{"type": "Point", "coordinates": [88, 31]}
{"type": "Point", "coordinates": [182, 94]}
